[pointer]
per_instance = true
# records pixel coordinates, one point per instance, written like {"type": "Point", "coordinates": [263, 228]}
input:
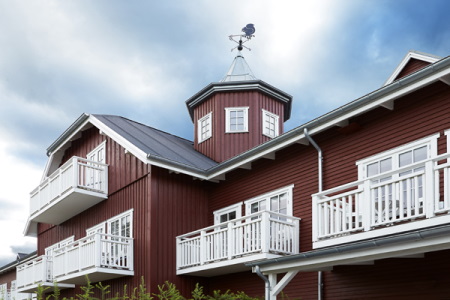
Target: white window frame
{"type": "Point", "coordinates": [447, 133]}
{"type": "Point", "coordinates": [228, 111]}
{"type": "Point", "coordinates": [287, 189]}
{"type": "Point", "coordinates": [201, 136]}
{"type": "Point", "coordinates": [99, 152]}
{"type": "Point", "coordinates": [266, 116]}
{"type": "Point", "coordinates": [4, 291]}
{"type": "Point", "coordinates": [237, 208]}
{"type": "Point", "coordinates": [430, 142]}
{"type": "Point", "coordinates": [119, 217]}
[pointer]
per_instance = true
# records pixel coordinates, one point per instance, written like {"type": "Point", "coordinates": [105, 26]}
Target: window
{"type": "Point", "coordinates": [204, 129]}
{"type": "Point", "coordinates": [279, 201]}
{"type": "Point", "coordinates": [398, 158]}
{"type": "Point", "coordinates": [236, 119]}
{"type": "Point", "coordinates": [390, 202]}
{"type": "Point", "coordinates": [98, 154]}
{"type": "Point", "coordinates": [99, 228]}
{"type": "Point", "coordinates": [228, 213]}
{"type": "Point", "coordinates": [270, 124]}
{"type": "Point", "coordinates": [121, 225]}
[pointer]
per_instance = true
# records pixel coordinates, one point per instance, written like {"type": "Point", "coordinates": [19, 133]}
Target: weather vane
{"type": "Point", "coordinates": [248, 32]}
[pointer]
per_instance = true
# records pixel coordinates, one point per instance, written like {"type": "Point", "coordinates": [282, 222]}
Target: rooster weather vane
{"type": "Point", "coordinates": [248, 32]}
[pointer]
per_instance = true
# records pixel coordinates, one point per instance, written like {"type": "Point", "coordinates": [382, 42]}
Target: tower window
{"type": "Point", "coordinates": [205, 127]}
{"type": "Point", "coordinates": [270, 124]}
{"type": "Point", "coordinates": [236, 119]}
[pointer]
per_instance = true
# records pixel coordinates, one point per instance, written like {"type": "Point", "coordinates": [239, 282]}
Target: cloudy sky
{"type": "Point", "coordinates": [144, 59]}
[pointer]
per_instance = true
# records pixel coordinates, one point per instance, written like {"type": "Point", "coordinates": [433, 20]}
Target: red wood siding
{"type": "Point", "coordinates": [179, 205]}
{"type": "Point", "coordinates": [412, 66]}
{"type": "Point", "coordinates": [222, 146]}
{"type": "Point", "coordinates": [7, 277]}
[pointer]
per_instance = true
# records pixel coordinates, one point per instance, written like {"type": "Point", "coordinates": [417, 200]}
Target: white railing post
{"type": "Point", "coordinates": [98, 249]}
{"type": "Point", "coordinates": [130, 254]}
{"type": "Point", "coordinates": [202, 247]}
{"type": "Point", "coordinates": [429, 189]}
{"type": "Point", "coordinates": [296, 239]}
{"type": "Point", "coordinates": [265, 232]}
{"type": "Point", "coordinates": [315, 218]}
{"type": "Point", "coordinates": [179, 252]}
{"type": "Point", "coordinates": [367, 206]}
{"type": "Point", "coordinates": [230, 240]}
{"type": "Point", "coordinates": [75, 171]}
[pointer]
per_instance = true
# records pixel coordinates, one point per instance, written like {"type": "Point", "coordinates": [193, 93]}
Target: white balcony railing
{"type": "Point", "coordinates": [78, 174]}
{"type": "Point", "coordinates": [35, 271]}
{"type": "Point", "coordinates": [98, 255]}
{"type": "Point", "coordinates": [94, 251]}
{"type": "Point", "coordinates": [399, 197]}
{"type": "Point", "coordinates": [262, 232]}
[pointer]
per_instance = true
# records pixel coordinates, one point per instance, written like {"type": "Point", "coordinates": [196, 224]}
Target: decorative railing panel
{"type": "Point", "coordinates": [417, 192]}
{"type": "Point", "coordinates": [263, 232]}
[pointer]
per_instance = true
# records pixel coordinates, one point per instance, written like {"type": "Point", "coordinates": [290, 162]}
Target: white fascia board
{"type": "Point", "coordinates": [358, 256]}
{"type": "Point", "coordinates": [119, 139]}
{"type": "Point", "coordinates": [406, 59]}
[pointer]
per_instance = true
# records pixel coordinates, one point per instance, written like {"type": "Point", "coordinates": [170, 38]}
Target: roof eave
{"type": "Point", "coordinates": [260, 85]}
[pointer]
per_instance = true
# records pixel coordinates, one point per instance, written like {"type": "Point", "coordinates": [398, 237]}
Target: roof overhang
{"type": "Point", "coordinates": [234, 86]}
{"type": "Point", "coordinates": [411, 244]}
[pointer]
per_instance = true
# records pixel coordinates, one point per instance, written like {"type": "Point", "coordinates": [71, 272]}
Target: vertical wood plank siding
{"type": "Point", "coordinates": [412, 66]}
{"type": "Point", "coordinates": [222, 146]}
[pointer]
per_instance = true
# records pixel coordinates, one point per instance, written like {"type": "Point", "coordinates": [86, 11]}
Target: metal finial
{"type": "Point", "coordinates": [248, 33]}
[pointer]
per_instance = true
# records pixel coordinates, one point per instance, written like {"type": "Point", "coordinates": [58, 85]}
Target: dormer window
{"type": "Point", "coordinates": [204, 127]}
{"type": "Point", "coordinates": [270, 124]}
{"type": "Point", "coordinates": [236, 119]}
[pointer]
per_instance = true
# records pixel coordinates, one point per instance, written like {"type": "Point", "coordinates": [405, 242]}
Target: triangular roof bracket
{"type": "Point", "coordinates": [388, 104]}
{"type": "Point", "coordinates": [445, 79]}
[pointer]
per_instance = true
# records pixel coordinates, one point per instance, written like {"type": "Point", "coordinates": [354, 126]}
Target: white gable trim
{"type": "Point", "coordinates": [411, 54]}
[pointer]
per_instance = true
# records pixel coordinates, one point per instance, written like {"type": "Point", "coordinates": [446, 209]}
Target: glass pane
{"type": "Point", "coordinates": [372, 169]}
{"type": "Point", "coordinates": [254, 207]}
{"type": "Point", "coordinates": [233, 114]}
{"type": "Point", "coordinates": [262, 205]}
{"type": "Point", "coordinates": [420, 154]}
{"type": "Point", "coordinates": [240, 113]}
{"type": "Point", "coordinates": [385, 165]}
{"type": "Point", "coordinates": [232, 215]}
{"type": "Point", "coordinates": [283, 201]}
{"type": "Point", "coordinates": [223, 218]}
{"type": "Point", "coordinates": [405, 159]}
{"type": "Point", "coordinates": [274, 204]}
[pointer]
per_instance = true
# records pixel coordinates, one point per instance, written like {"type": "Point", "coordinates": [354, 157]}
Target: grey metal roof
{"type": "Point", "coordinates": [157, 143]}
{"type": "Point", "coordinates": [239, 70]}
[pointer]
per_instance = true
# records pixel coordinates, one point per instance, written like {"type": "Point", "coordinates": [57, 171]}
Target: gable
{"type": "Point", "coordinates": [412, 62]}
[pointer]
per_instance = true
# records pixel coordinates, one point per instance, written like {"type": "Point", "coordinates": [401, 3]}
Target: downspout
{"type": "Point", "coordinates": [266, 281]}
{"type": "Point", "coordinates": [320, 159]}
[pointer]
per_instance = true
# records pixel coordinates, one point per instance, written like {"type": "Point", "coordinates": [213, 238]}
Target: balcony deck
{"type": "Point", "coordinates": [74, 187]}
{"type": "Point", "coordinates": [100, 256]}
{"type": "Point", "coordinates": [410, 198]}
{"type": "Point", "coordinates": [225, 248]}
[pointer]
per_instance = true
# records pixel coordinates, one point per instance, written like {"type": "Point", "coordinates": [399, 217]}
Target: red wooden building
{"type": "Point", "coordinates": [352, 205]}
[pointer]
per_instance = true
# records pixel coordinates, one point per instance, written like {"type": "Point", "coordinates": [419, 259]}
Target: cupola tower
{"type": "Point", "coordinates": [237, 113]}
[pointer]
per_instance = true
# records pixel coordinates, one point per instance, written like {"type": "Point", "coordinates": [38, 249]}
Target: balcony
{"type": "Point", "coordinates": [225, 248]}
{"type": "Point", "coordinates": [100, 256]}
{"type": "Point", "coordinates": [74, 187]}
{"type": "Point", "coordinates": [36, 272]}
{"type": "Point", "coordinates": [409, 198]}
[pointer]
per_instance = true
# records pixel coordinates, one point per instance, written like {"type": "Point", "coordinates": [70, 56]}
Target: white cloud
{"type": "Point", "coordinates": [17, 179]}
